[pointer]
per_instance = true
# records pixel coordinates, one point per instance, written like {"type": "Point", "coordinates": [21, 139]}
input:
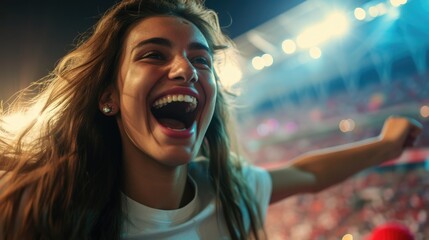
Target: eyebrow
{"type": "Point", "coordinates": [167, 43]}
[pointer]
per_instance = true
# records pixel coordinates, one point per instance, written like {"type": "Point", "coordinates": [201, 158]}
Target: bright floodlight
{"type": "Point", "coordinates": [397, 3]}
{"type": "Point", "coordinates": [288, 46]}
{"type": "Point", "coordinates": [336, 24]}
{"type": "Point", "coordinates": [312, 36]}
{"type": "Point", "coordinates": [360, 14]}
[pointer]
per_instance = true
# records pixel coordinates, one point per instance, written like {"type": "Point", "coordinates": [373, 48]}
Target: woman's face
{"type": "Point", "coordinates": [167, 89]}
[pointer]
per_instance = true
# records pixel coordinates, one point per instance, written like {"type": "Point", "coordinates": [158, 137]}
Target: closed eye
{"type": "Point", "coordinates": [153, 55]}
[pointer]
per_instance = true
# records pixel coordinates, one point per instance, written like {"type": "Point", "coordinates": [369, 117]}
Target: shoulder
{"type": "Point", "coordinates": [258, 179]}
{"type": "Point", "coordinates": [255, 172]}
{"type": "Point", "coordinates": [259, 182]}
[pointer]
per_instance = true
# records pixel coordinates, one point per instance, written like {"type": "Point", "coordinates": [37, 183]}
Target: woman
{"type": "Point", "coordinates": [111, 150]}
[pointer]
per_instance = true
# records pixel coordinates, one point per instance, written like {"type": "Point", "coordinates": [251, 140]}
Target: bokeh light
{"type": "Point", "coordinates": [258, 63]}
{"type": "Point", "coordinates": [315, 52]}
{"type": "Point", "coordinates": [397, 3]}
{"type": "Point", "coordinates": [289, 46]}
{"type": "Point", "coordinates": [347, 237]}
{"type": "Point", "coordinates": [230, 75]}
{"type": "Point", "coordinates": [267, 59]}
{"type": "Point", "coordinates": [424, 111]}
{"type": "Point", "coordinates": [347, 125]}
{"type": "Point", "coordinates": [373, 11]}
{"type": "Point", "coordinates": [335, 24]}
{"type": "Point", "coordinates": [360, 14]}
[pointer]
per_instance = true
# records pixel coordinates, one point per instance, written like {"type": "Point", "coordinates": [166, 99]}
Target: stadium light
{"type": "Point", "coordinates": [230, 75]}
{"type": "Point", "coordinates": [373, 11]}
{"type": "Point", "coordinates": [289, 46]}
{"type": "Point", "coordinates": [315, 52]}
{"type": "Point", "coordinates": [382, 9]}
{"type": "Point", "coordinates": [267, 59]}
{"type": "Point", "coordinates": [398, 3]}
{"type": "Point", "coordinates": [360, 14]}
{"type": "Point", "coordinates": [336, 24]}
{"type": "Point", "coordinates": [258, 63]}
{"type": "Point", "coordinates": [377, 10]}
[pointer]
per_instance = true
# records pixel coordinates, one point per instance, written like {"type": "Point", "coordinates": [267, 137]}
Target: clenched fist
{"type": "Point", "coordinates": [400, 133]}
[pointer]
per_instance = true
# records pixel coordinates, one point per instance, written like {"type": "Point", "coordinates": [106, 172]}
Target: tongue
{"type": "Point", "coordinates": [172, 123]}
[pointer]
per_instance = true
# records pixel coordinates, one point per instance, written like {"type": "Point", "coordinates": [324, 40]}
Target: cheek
{"type": "Point", "coordinates": [136, 86]}
{"type": "Point", "coordinates": [211, 86]}
{"type": "Point", "coordinates": [210, 89]}
{"type": "Point", "coordinates": [133, 88]}
{"type": "Point", "coordinates": [137, 80]}
{"type": "Point", "coordinates": [132, 101]}
{"type": "Point", "coordinates": [133, 105]}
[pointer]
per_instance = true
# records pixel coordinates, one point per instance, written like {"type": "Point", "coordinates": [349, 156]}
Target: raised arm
{"type": "Point", "coordinates": [318, 170]}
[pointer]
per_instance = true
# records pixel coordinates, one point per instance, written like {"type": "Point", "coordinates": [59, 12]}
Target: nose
{"type": "Point", "coordinates": [183, 70]}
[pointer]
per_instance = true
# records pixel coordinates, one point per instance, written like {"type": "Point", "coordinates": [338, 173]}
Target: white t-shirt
{"type": "Point", "coordinates": [199, 219]}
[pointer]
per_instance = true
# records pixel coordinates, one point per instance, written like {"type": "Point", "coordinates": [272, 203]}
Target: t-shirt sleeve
{"type": "Point", "coordinates": [259, 181]}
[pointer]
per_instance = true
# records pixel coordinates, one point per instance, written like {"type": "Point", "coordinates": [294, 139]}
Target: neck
{"type": "Point", "coordinates": [155, 185]}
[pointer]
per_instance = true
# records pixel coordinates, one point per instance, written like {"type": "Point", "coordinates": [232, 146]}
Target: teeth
{"type": "Point", "coordinates": [176, 98]}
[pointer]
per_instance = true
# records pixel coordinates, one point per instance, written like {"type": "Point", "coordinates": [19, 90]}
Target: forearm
{"type": "Point", "coordinates": [318, 170]}
{"type": "Point", "coordinates": [333, 165]}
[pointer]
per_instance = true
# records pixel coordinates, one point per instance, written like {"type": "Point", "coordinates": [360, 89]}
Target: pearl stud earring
{"type": "Point", "coordinates": [107, 109]}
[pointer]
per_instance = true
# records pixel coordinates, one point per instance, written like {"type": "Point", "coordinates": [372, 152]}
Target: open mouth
{"type": "Point", "coordinates": [177, 111]}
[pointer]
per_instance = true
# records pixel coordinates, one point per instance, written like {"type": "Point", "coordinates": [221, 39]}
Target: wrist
{"type": "Point", "coordinates": [389, 149]}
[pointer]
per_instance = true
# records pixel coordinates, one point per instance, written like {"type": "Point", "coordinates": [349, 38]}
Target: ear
{"type": "Point", "coordinates": [109, 101]}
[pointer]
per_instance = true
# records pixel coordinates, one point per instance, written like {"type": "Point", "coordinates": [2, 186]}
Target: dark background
{"type": "Point", "coordinates": [36, 34]}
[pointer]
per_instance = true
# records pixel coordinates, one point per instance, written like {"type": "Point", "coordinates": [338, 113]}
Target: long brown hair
{"type": "Point", "coordinates": [63, 167]}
